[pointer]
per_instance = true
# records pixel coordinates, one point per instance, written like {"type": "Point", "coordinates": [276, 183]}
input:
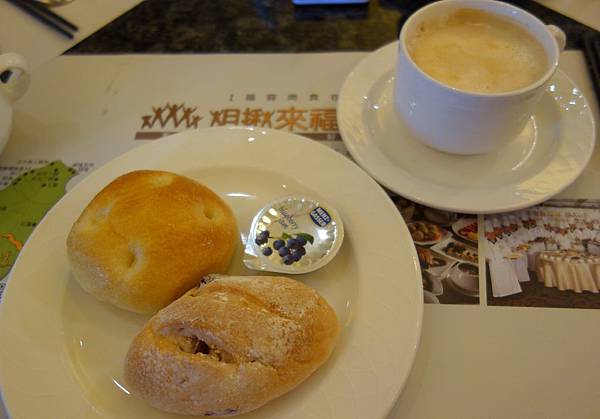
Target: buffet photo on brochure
{"type": "Point", "coordinates": [446, 244]}
{"type": "Point", "coordinates": [545, 256]}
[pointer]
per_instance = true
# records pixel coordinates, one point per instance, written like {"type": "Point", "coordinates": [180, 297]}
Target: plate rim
{"type": "Point", "coordinates": [9, 397]}
{"type": "Point", "coordinates": [345, 132]}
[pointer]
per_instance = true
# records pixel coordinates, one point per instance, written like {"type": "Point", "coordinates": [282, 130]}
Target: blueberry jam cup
{"type": "Point", "coordinates": [294, 234]}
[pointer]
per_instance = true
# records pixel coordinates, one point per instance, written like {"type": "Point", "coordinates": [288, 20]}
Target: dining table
{"type": "Point", "coordinates": [569, 270]}
{"type": "Point", "coordinates": [155, 68]}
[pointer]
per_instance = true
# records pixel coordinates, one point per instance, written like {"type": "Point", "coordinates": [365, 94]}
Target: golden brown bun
{"type": "Point", "coordinates": [230, 346]}
{"type": "Point", "coordinates": [148, 237]}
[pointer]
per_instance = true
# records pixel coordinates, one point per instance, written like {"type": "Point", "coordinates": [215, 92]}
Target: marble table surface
{"type": "Point", "coordinates": [206, 26]}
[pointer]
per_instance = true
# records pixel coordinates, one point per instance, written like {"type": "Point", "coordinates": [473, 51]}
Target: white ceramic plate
{"type": "Point", "coordinates": [460, 290]}
{"type": "Point", "coordinates": [62, 351]}
{"type": "Point", "coordinates": [442, 245]}
{"type": "Point", "coordinates": [437, 272]}
{"type": "Point", "coordinates": [443, 234]}
{"type": "Point", "coordinates": [463, 222]}
{"type": "Point", "coordinates": [547, 156]}
{"type": "Point", "coordinates": [463, 285]}
{"type": "Point", "coordinates": [430, 298]}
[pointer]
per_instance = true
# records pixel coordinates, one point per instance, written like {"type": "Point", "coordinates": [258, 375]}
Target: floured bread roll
{"type": "Point", "coordinates": [148, 237]}
{"type": "Point", "coordinates": [230, 346]}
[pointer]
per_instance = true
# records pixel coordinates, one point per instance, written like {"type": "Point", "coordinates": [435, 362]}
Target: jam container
{"type": "Point", "coordinates": [294, 234]}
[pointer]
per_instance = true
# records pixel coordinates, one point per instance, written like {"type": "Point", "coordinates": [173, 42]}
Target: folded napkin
{"type": "Point", "coordinates": [21, 33]}
{"type": "Point", "coordinates": [503, 278]}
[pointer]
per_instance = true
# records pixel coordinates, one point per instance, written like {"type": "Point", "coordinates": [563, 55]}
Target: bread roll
{"type": "Point", "coordinates": [148, 237]}
{"type": "Point", "coordinates": [230, 346]}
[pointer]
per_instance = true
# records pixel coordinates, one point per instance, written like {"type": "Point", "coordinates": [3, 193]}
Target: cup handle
{"type": "Point", "coordinates": [559, 36]}
{"type": "Point", "coordinates": [18, 81]}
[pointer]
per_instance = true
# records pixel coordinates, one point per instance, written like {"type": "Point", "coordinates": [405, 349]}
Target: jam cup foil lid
{"type": "Point", "coordinates": [294, 234]}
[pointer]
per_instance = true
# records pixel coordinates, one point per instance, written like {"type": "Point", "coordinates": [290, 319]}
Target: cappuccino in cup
{"type": "Point", "coordinates": [471, 72]}
{"type": "Point", "coordinates": [477, 51]}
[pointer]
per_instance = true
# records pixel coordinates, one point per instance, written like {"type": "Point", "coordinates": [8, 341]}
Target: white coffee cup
{"type": "Point", "coordinates": [11, 90]}
{"type": "Point", "coordinates": [461, 122]}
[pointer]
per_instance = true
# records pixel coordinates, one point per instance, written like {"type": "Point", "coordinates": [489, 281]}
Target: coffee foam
{"type": "Point", "coordinates": [479, 52]}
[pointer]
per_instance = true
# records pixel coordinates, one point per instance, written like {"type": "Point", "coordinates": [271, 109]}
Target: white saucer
{"type": "Point", "coordinates": [547, 156]}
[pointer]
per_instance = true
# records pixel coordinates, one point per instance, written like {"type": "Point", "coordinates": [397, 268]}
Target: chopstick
{"type": "Point", "coordinates": [591, 50]}
{"type": "Point", "coordinates": [42, 13]}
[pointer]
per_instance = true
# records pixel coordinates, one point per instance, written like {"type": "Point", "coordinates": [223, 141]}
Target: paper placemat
{"type": "Point", "coordinates": [584, 11]}
{"type": "Point", "coordinates": [21, 33]}
{"type": "Point", "coordinates": [476, 360]}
